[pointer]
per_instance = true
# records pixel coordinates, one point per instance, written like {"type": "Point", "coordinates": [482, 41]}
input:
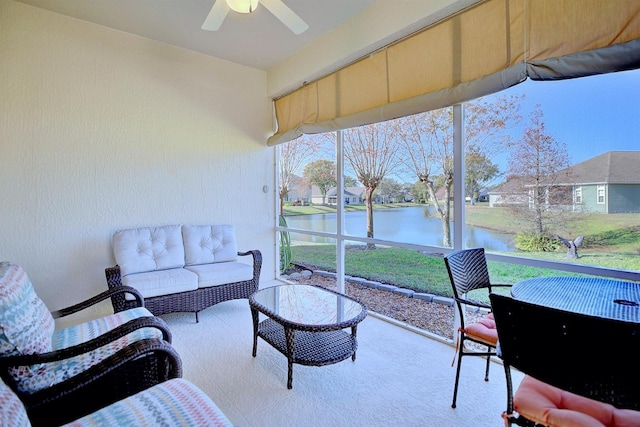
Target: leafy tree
{"type": "Point", "coordinates": [350, 181]}
{"type": "Point", "coordinates": [428, 145]}
{"type": "Point", "coordinates": [419, 192]}
{"type": "Point", "coordinates": [321, 173]}
{"type": "Point", "coordinates": [541, 162]}
{"type": "Point", "coordinates": [479, 171]}
{"type": "Point", "coordinates": [292, 156]}
{"type": "Point", "coordinates": [371, 151]}
{"type": "Point", "coordinates": [389, 189]}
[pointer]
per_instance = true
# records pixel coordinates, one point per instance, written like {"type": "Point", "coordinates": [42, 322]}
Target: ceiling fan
{"type": "Point", "coordinates": [277, 7]}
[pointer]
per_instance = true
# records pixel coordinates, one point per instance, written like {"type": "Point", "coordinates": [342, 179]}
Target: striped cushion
{"type": "Point", "coordinates": [78, 334]}
{"type": "Point", "coordinates": [176, 402]}
{"type": "Point", "coordinates": [36, 377]}
{"type": "Point", "coordinates": [26, 325]}
{"type": "Point", "coordinates": [12, 411]}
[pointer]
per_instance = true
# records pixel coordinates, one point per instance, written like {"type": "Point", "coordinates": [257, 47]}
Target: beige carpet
{"type": "Point", "coordinates": [399, 378]}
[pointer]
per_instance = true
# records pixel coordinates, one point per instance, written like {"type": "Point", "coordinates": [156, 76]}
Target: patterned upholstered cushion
{"type": "Point", "coordinates": [12, 411]}
{"type": "Point", "coordinates": [551, 406]}
{"type": "Point", "coordinates": [26, 325]}
{"type": "Point", "coordinates": [36, 377]}
{"type": "Point", "coordinates": [139, 250]}
{"type": "Point", "coordinates": [205, 244]}
{"type": "Point", "coordinates": [78, 334]}
{"type": "Point", "coordinates": [176, 402]}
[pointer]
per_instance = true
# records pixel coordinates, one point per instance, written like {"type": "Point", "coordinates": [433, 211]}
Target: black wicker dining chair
{"type": "Point", "coordinates": [586, 373]}
{"type": "Point", "coordinates": [468, 272]}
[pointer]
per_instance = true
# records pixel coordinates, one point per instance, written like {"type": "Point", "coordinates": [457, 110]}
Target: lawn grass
{"type": "Point", "coordinates": [406, 268]}
{"type": "Point", "coordinates": [611, 241]}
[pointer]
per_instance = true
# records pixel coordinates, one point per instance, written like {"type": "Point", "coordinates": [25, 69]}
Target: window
{"type": "Point", "coordinates": [530, 155]}
{"type": "Point", "coordinates": [600, 194]}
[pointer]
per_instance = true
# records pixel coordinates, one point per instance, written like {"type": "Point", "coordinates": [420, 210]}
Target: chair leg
{"type": "Point", "coordinates": [486, 372]}
{"type": "Point", "coordinates": [455, 388]}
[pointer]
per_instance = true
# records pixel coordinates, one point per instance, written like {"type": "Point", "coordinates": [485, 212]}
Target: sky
{"type": "Point", "coordinates": [591, 115]}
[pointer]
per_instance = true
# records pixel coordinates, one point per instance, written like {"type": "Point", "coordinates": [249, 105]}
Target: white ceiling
{"type": "Point", "coordinates": [257, 40]}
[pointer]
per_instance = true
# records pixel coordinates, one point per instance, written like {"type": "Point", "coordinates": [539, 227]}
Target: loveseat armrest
{"type": "Point", "coordinates": [110, 293]}
{"type": "Point", "coordinates": [118, 300]}
{"type": "Point", "coordinates": [257, 262]}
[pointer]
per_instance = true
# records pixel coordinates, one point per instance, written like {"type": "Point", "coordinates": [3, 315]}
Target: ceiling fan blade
{"type": "Point", "coordinates": [216, 16]}
{"type": "Point", "coordinates": [286, 15]}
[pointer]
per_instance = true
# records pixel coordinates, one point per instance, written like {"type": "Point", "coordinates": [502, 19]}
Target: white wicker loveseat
{"type": "Point", "coordinates": [182, 268]}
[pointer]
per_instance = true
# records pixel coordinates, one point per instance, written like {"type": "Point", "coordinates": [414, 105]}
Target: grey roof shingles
{"type": "Point", "coordinates": [612, 167]}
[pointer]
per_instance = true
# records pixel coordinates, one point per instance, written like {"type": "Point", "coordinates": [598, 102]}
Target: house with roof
{"type": "Point", "coordinates": [608, 183]}
{"type": "Point", "coordinates": [352, 196]}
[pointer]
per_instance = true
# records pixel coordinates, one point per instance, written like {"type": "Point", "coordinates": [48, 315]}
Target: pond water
{"type": "Point", "coordinates": [407, 225]}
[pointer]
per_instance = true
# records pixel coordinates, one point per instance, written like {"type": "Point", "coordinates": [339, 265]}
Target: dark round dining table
{"type": "Point", "coordinates": [613, 299]}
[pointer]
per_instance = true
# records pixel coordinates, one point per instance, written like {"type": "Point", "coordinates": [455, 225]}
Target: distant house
{"type": "Point", "coordinates": [352, 195]}
{"type": "Point", "coordinates": [608, 183]}
{"type": "Point", "coordinates": [299, 191]}
{"type": "Point", "coordinates": [511, 192]}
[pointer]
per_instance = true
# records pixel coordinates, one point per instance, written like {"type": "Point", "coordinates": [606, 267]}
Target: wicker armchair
{"type": "Point", "coordinates": [468, 272]}
{"type": "Point", "coordinates": [586, 373]}
{"type": "Point", "coordinates": [62, 373]}
{"type": "Point", "coordinates": [173, 402]}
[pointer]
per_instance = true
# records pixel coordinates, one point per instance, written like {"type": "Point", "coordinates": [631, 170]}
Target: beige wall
{"type": "Point", "coordinates": [101, 130]}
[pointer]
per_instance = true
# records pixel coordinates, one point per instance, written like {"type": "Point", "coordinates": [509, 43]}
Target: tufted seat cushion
{"type": "Point", "coordinates": [206, 244]}
{"type": "Point", "coordinates": [484, 330]}
{"type": "Point", "coordinates": [146, 249]}
{"type": "Point", "coordinates": [551, 406]}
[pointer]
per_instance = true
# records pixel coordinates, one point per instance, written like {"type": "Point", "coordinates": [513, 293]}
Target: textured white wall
{"type": "Point", "coordinates": [101, 130]}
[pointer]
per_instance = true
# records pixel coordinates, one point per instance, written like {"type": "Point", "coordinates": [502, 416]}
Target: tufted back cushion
{"type": "Point", "coordinates": [12, 410]}
{"type": "Point", "coordinates": [140, 250]}
{"type": "Point", "coordinates": [26, 325]}
{"type": "Point", "coordinates": [205, 244]}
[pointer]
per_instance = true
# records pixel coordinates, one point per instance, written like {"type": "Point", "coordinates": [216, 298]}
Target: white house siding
{"type": "Point", "coordinates": [102, 130]}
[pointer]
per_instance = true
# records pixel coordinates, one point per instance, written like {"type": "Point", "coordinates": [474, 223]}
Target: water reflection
{"type": "Point", "coordinates": [406, 225]}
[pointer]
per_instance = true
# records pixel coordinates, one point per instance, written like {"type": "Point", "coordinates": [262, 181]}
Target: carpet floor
{"type": "Point", "coordinates": [399, 378]}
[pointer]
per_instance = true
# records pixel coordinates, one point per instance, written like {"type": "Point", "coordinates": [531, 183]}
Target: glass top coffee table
{"type": "Point", "coordinates": [305, 323]}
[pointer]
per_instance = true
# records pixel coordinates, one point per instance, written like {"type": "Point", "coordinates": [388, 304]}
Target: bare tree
{"type": "Point", "coordinates": [371, 151]}
{"type": "Point", "coordinates": [428, 145]}
{"type": "Point", "coordinates": [292, 156]}
{"type": "Point", "coordinates": [541, 162]}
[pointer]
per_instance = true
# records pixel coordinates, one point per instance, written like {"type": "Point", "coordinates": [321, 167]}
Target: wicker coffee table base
{"type": "Point", "coordinates": [311, 348]}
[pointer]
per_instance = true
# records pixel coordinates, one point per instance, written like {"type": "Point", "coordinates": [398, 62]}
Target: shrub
{"type": "Point", "coordinates": [536, 242]}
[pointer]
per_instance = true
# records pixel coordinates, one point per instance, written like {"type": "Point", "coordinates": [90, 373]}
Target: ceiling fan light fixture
{"type": "Point", "coordinates": [243, 6]}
